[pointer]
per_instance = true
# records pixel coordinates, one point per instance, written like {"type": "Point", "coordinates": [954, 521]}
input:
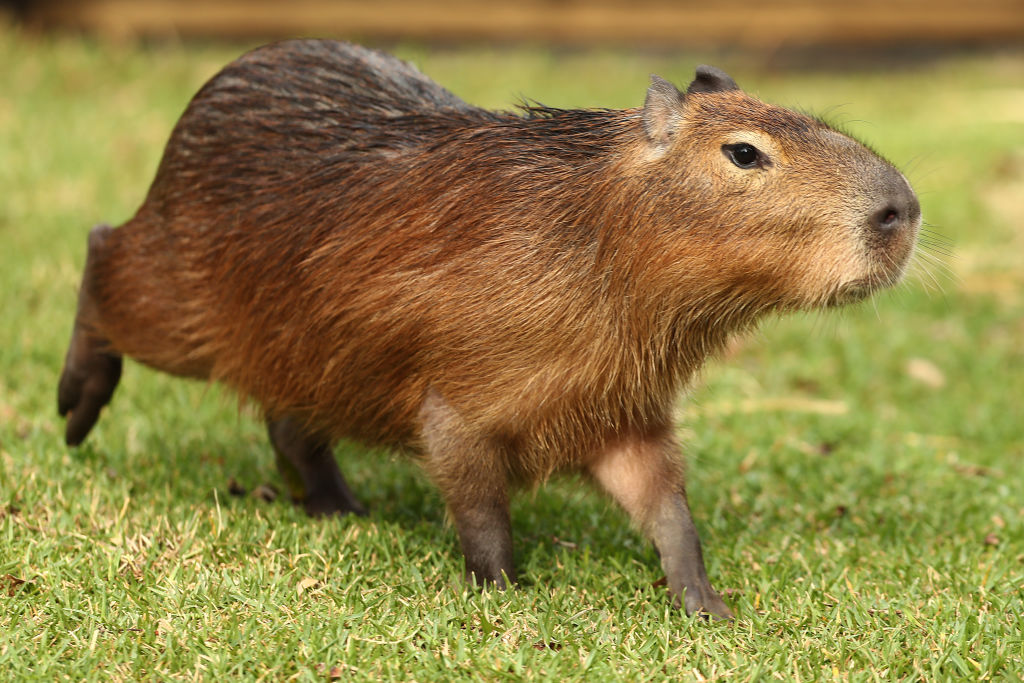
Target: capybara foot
{"type": "Point", "coordinates": [86, 385]}
{"type": "Point", "coordinates": [328, 504]}
{"type": "Point", "coordinates": [307, 464]}
{"type": "Point", "coordinates": [706, 602]}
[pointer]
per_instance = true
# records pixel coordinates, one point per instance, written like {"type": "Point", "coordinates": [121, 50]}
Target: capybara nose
{"type": "Point", "coordinates": [899, 208]}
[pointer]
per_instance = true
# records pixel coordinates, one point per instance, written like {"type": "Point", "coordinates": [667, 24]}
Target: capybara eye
{"type": "Point", "coordinates": [742, 154]}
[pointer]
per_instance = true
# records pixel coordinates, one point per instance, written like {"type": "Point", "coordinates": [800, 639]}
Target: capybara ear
{"type": "Point", "coordinates": [710, 79]}
{"type": "Point", "coordinates": [662, 110]}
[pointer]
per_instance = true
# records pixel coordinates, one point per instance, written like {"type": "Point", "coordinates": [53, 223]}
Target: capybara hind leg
{"type": "Point", "coordinates": [307, 464]}
{"type": "Point", "coordinates": [471, 475]}
{"type": "Point", "coordinates": [86, 385]}
{"type": "Point", "coordinates": [91, 369]}
{"type": "Point", "coordinates": [643, 476]}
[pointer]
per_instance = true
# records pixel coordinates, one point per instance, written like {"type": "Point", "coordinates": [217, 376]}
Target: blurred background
{"type": "Point", "coordinates": [832, 28]}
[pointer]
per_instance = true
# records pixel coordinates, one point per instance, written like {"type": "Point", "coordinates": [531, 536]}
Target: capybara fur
{"type": "Point", "coordinates": [503, 295]}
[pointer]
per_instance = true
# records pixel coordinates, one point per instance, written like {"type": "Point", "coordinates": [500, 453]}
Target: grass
{"type": "Point", "coordinates": [856, 476]}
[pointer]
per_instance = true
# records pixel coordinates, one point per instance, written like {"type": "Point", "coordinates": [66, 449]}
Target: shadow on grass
{"type": "Point", "coordinates": [564, 524]}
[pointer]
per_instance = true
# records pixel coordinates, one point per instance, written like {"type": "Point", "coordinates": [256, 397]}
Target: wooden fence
{"type": "Point", "coordinates": [765, 24]}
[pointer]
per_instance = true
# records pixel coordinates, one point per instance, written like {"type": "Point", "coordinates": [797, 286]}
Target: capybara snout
{"type": "Point", "coordinates": [503, 295]}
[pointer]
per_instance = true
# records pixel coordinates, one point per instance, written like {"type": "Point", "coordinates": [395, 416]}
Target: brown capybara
{"type": "Point", "coordinates": [504, 295]}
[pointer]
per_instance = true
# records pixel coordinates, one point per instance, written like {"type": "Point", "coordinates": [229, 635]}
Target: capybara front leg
{"type": "Point", "coordinates": [485, 534]}
{"type": "Point", "coordinates": [91, 368]}
{"type": "Point", "coordinates": [675, 537]}
{"type": "Point", "coordinates": [471, 474]}
{"type": "Point", "coordinates": [306, 461]}
{"type": "Point", "coordinates": [643, 475]}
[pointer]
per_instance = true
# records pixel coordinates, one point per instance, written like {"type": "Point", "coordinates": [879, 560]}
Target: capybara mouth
{"type": "Point", "coordinates": [851, 292]}
{"type": "Point", "coordinates": [861, 288]}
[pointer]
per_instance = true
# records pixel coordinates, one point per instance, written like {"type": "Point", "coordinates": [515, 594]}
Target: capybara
{"type": "Point", "coordinates": [504, 295]}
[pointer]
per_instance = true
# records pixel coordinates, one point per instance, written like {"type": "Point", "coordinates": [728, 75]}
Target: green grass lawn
{"type": "Point", "coordinates": [856, 475]}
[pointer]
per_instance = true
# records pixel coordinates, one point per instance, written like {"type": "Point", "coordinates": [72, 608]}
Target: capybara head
{"type": "Point", "coordinates": [786, 212]}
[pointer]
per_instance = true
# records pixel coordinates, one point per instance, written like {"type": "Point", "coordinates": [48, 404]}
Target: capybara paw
{"type": "Point", "coordinates": [83, 391]}
{"type": "Point", "coordinates": [502, 579]}
{"type": "Point", "coordinates": [329, 506]}
{"type": "Point", "coordinates": [707, 603]}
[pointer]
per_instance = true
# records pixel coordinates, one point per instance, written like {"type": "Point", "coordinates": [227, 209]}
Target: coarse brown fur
{"type": "Point", "coordinates": [507, 295]}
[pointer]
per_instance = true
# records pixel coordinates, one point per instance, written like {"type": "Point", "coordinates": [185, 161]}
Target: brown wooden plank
{"type": "Point", "coordinates": [763, 24]}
